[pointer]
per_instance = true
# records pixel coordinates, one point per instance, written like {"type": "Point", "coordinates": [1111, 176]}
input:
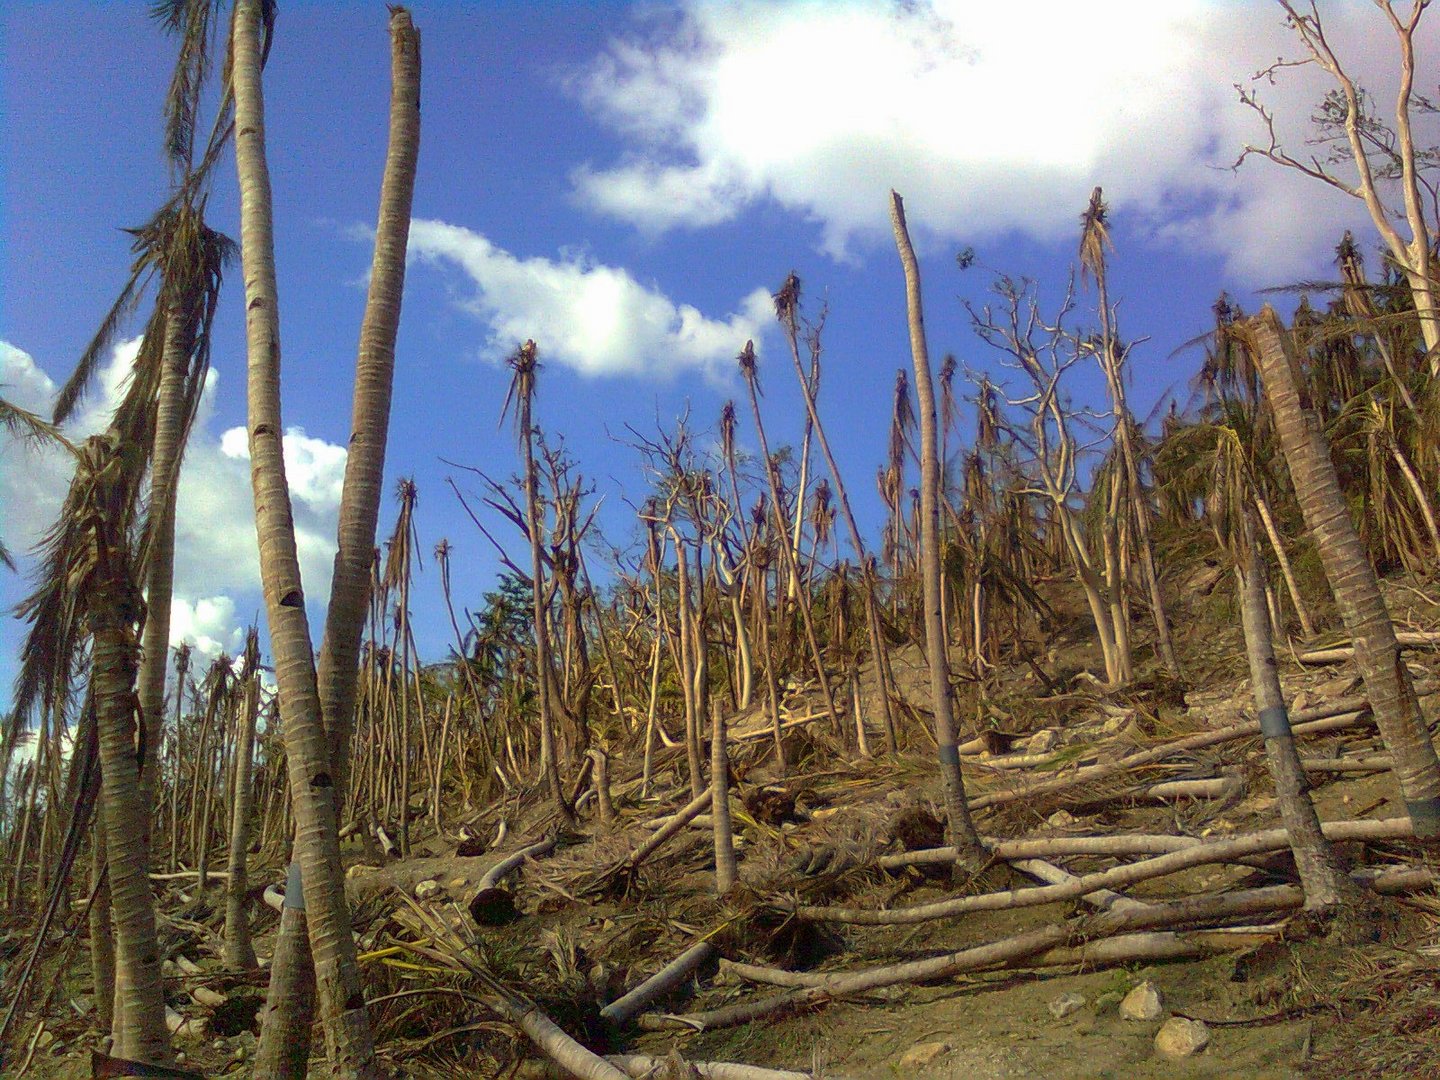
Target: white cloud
{"type": "Point", "coordinates": [209, 623]}
{"type": "Point", "coordinates": [217, 568]}
{"type": "Point", "coordinates": [593, 318]}
{"type": "Point", "coordinates": [989, 118]}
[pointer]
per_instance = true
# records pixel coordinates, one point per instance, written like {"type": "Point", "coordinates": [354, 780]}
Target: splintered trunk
{"type": "Point", "coordinates": [311, 771]}
{"type": "Point", "coordinates": [777, 508]}
{"type": "Point", "coordinates": [968, 849]}
{"type": "Point", "coordinates": [1352, 577]}
{"type": "Point", "coordinates": [720, 803]}
{"type": "Point", "coordinates": [694, 755]}
{"type": "Point", "coordinates": [1327, 886]}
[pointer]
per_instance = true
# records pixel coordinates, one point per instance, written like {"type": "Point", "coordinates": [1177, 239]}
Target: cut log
{"type": "Point", "coordinates": [495, 906]}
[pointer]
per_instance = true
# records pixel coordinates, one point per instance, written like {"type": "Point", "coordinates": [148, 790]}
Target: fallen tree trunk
{"type": "Point", "coordinates": [1125, 874]}
{"type": "Point", "coordinates": [1340, 653]}
{"type": "Point", "coordinates": [1009, 950]}
{"type": "Point", "coordinates": [1336, 716]}
{"type": "Point", "coordinates": [641, 1066]}
{"type": "Point", "coordinates": [493, 906]}
{"type": "Point", "coordinates": [1113, 846]}
{"type": "Point", "coordinates": [1374, 763]}
{"type": "Point", "coordinates": [620, 1011]}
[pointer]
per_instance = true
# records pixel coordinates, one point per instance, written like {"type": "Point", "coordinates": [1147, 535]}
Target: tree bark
{"type": "Point", "coordinates": [1352, 577]}
{"type": "Point", "coordinates": [138, 1024]}
{"type": "Point", "coordinates": [311, 771]}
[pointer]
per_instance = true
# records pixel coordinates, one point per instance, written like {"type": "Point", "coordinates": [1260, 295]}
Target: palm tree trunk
{"type": "Point", "coordinates": [239, 954]}
{"type": "Point", "coordinates": [311, 769]}
{"type": "Point", "coordinates": [720, 803]}
{"type": "Point", "coordinates": [290, 1015]}
{"type": "Point", "coordinates": [139, 1020]}
{"type": "Point", "coordinates": [1352, 577]}
{"type": "Point", "coordinates": [545, 682]}
{"type": "Point", "coordinates": [102, 936]}
{"type": "Point", "coordinates": [171, 421]}
{"type": "Point", "coordinates": [1327, 887]}
{"type": "Point", "coordinates": [694, 755]}
{"type": "Point", "coordinates": [968, 849]}
{"type": "Point", "coordinates": [872, 614]}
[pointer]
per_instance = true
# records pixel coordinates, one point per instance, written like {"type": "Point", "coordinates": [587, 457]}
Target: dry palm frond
{"type": "Point", "coordinates": [1094, 235]}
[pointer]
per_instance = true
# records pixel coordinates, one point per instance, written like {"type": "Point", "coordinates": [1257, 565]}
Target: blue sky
{"type": "Point", "coordinates": [625, 184]}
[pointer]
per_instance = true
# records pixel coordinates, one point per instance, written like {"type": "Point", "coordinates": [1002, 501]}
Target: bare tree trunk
{"type": "Point", "coordinates": [1307, 624]}
{"type": "Point", "coordinates": [1327, 887]}
{"type": "Point", "coordinates": [720, 806]}
{"type": "Point", "coordinates": [968, 849]}
{"type": "Point", "coordinates": [239, 953]}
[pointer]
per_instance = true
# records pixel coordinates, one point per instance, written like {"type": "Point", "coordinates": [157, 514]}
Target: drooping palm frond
{"type": "Point", "coordinates": [194, 23]}
{"type": "Point", "coordinates": [57, 609]}
{"type": "Point", "coordinates": [26, 425]}
{"type": "Point", "coordinates": [30, 426]}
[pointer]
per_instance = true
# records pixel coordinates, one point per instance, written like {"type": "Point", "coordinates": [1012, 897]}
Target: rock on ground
{"type": "Point", "coordinates": [1065, 1005]}
{"type": "Point", "coordinates": [1144, 1003]}
{"type": "Point", "coordinates": [1179, 1037]}
{"type": "Point", "coordinates": [923, 1054]}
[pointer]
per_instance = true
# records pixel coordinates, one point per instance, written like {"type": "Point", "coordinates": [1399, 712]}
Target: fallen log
{"type": "Point", "coordinates": [1406, 639]}
{"type": "Point", "coordinates": [1334, 717]}
{"type": "Point", "coordinates": [673, 825]}
{"type": "Point", "coordinates": [1019, 947]}
{"type": "Point", "coordinates": [493, 906]}
{"type": "Point", "coordinates": [641, 1066]}
{"type": "Point", "coordinates": [1227, 850]}
{"type": "Point", "coordinates": [620, 1011]}
{"type": "Point", "coordinates": [1050, 846]}
{"type": "Point", "coordinates": [1374, 763]}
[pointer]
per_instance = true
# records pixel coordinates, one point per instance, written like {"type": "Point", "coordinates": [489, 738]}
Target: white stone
{"type": "Point", "coordinates": [427, 890]}
{"type": "Point", "coordinates": [1179, 1037]}
{"type": "Point", "coordinates": [923, 1054]}
{"type": "Point", "coordinates": [1144, 1003]}
{"type": "Point", "coordinates": [1066, 1004]}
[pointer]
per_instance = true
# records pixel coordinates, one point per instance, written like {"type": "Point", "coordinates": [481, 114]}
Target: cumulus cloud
{"type": "Point", "coordinates": [217, 567]}
{"type": "Point", "coordinates": [593, 318]}
{"type": "Point", "coordinates": [989, 118]}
